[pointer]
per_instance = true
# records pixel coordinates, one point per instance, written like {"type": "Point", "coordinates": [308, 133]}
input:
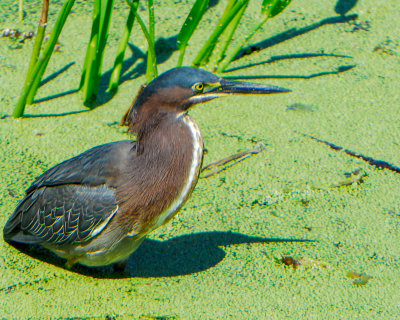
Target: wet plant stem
{"type": "Point", "coordinates": [151, 69]}
{"type": "Point", "coordinates": [49, 49]}
{"type": "Point", "coordinates": [189, 26]}
{"type": "Point", "coordinates": [39, 62]}
{"type": "Point", "coordinates": [230, 12]}
{"type": "Point", "coordinates": [229, 32]}
{"type": "Point", "coordinates": [151, 47]}
{"type": "Point", "coordinates": [91, 74]}
{"type": "Point", "coordinates": [21, 10]}
{"type": "Point", "coordinates": [116, 72]}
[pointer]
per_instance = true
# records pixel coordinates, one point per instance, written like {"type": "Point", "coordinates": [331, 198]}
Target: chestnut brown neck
{"type": "Point", "coordinates": [164, 170]}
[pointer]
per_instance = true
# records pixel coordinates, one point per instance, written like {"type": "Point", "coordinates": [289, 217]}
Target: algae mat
{"type": "Point", "coordinates": [220, 258]}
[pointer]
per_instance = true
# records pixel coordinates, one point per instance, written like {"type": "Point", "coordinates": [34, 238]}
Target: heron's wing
{"type": "Point", "coordinates": [94, 167]}
{"type": "Point", "coordinates": [73, 201]}
{"type": "Point", "coordinates": [62, 215]}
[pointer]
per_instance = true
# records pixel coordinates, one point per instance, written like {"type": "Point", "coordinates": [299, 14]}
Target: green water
{"type": "Point", "coordinates": [216, 260]}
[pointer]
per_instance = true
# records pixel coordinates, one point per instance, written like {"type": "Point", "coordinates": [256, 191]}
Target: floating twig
{"type": "Point", "coordinates": [380, 164]}
{"type": "Point", "coordinates": [238, 157]}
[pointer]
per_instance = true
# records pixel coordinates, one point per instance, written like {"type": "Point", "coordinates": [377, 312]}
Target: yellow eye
{"type": "Point", "coordinates": [198, 87]}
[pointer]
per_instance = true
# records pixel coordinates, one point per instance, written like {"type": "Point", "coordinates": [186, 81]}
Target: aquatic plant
{"type": "Point", "coordinates": [210, 54]}
{"type": "Point", "coordinates": [119, 59]}
{"type": "Point", "coordinates": [269, 9]}
{"type": "Point", "coordinates": [40, 58]}
{"type": "Point", "coordinates": [189, 26]}
{"type": "Point", "coordinates": [91, 73]}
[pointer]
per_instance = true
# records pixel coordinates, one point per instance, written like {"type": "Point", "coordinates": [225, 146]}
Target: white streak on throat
{"type": "Point", "coordinates": [197, 155]}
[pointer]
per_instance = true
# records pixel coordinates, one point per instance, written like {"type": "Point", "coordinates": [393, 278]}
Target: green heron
{"type": "Point", "coordinates": [96, 208]}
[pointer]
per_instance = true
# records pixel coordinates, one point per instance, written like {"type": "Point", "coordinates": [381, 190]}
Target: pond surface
{"type": "Point", "coordinates": [221, 256]}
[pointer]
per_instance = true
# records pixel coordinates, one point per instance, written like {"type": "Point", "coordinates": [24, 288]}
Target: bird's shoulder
{"type": "Point", "coordinates": [94, 167]}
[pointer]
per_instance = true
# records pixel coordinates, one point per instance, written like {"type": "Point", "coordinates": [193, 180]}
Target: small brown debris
{"type": "Point", "coordinates": [58, 47]}
{"type": "Point", "coordinates": [359, 279]}
{"type": "Point", "coordinates": [388, 47]}
{"type": "Point", "coordinates": [353, 178]}
{"type": "Point", "coordinates": [10, 33]}
{"type": "Point", "coordinates": [306, 262]}
{"type": "Point", "coordinates": [290, 261]}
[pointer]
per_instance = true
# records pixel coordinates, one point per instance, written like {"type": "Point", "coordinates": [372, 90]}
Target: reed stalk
{"type": "Point", "coordinates": [227, 35]}
{"type": "Point", "coordinates": [233, 7]}
{"type": "Point", "coordinates": [151, 68]}
{"type": "Point", "coordinates": [21, 10]}
{"type": "Point", "coordinates": [91, 74]}
{"type": "Point", "coordinates": [270, 9]}
{"type": "Point", "coordinates": [119, 59]}
{"type": "Point", "coordinates": [39, 62]}
{"type": "Point", "coordinates": [189, 26]}
{"type": "Point", "coordinates": [151, 46]}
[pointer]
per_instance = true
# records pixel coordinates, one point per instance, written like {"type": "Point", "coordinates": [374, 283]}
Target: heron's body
{"type": "Point", "coordinates": [155, 195]}
{"type": "Point", "coordinates": [96, 208]}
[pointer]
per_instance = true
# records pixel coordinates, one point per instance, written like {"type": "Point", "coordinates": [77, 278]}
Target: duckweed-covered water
{"type": "Point", "coordinates": [220, 258]}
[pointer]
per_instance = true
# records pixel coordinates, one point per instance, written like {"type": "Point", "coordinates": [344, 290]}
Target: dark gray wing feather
{"type": "Point", "coordinates": [62, 215]}
{"type": "Point", "coordinates": [94, 167]}
{"type": "Point", "coordinates": [71, 202]}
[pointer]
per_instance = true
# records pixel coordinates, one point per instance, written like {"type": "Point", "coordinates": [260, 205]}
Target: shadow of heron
{"type": "Point", "coordinates": [344, 6]}
{"type": "Point", "coordinates": [188, 254]}
{"type": "Point", "coordinates": [182, 255]}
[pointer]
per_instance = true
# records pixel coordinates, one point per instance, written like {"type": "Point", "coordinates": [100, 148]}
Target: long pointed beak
{"type": "Point", "coordinates": [240, 87]}
{"type": "Point", "coordinates": [225, 87]}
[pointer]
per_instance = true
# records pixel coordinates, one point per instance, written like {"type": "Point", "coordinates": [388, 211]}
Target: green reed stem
{"type": "Point", "coordinates": [230, 31]}
{"type": "Point", "coordinates": [270, 9]}
{"type": "Point", "coordinates": [39, 38]}
{"type": "Point", "coordinates": [91, 50]}
{"type": "Point", "coordinates": [229, 13]}
{"type": "Point", "coordinates": [151, 48]}
{"type": "Point", "coordinates": [151, 68]}
{"type": "Point", "coordinates": [91, 74]}
{"type": "Point", "coordinates": [119, 59]}
{"type": "Point", "coordinates": [37, 68]}
{"type": "Point", "coordinates": [49, 49]}
{"type": "Point", "coordinates": [189, 26]}
{"type": "Point", "coordinates": [20, 107]}
{"type": "Point", "coordinates": [21, 10]}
